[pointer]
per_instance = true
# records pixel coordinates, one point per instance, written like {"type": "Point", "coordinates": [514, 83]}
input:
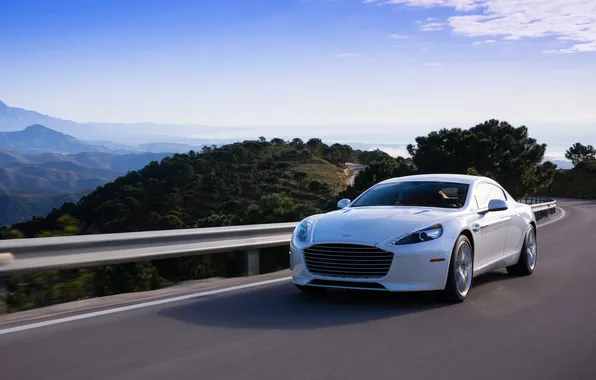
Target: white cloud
{"type": "Point", "coordinates": [398, 36]}
{"type": "Point", "coordinates": [484, 42]}
{"type": "Point", "coordinates": [568, 20]}
{"type": "Point", "coordinates": [431, 26]}
{"type": "Point", "coordinates": [457, 4]}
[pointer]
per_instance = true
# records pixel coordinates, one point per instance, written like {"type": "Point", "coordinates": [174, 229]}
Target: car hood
{"type": "Point", "coordinates": [372, 225]}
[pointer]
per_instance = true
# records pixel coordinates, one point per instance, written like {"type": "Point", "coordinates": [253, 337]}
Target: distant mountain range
{"type": "Point", "coordinates": [41, 168]}
{"type": "Point", "coordinates": [37, 138]}
{"type": "Point", "coordinates": [41, 139]}
{"type": "Point", "coordinates": [34, 184]}
{"type": "Point", "coordinates": [23, 207]}
{"type": "Point", "coordinates": [15, 119]}
{"type": "Point", "coordinates": [55, 172]}
{"type": "Point", "coordinates": [157, 138]}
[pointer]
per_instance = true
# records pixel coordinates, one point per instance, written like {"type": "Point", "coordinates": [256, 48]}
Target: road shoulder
{"type": "Point", "coordinates": [127, 299]}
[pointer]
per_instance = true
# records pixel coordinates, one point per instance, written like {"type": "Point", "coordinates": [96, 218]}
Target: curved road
{"type": "Point", "coordinates": [539, 327]}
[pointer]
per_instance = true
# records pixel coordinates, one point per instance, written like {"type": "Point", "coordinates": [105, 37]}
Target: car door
{"type": "Point", "coordinates": [492, 226]}
{"type": "Point", "coordinates": [515, 225]}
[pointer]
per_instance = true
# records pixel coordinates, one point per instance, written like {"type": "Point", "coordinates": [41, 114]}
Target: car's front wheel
{"type": "Point", "coordinates": [528, 256]}
{"type": "Point", "coordinates": [461, 271]}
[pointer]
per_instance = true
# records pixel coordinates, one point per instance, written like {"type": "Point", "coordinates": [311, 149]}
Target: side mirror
{"type": "Point", "coordinates": [343, 203]}
{"type": "Point", "coordinates": [497, 205]}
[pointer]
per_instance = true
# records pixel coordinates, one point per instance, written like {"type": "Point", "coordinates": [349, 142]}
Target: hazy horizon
{"type": "Point", "coordinates": [372, 71]}
{"type": "Point", "coordinates": [302, 62]}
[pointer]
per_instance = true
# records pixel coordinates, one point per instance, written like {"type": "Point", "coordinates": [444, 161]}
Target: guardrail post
{"type": "Point", "coordinates": [251, 263]}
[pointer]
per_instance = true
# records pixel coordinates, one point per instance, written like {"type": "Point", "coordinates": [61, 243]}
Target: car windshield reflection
{"type": "Point", "coordinates": [415, 193]}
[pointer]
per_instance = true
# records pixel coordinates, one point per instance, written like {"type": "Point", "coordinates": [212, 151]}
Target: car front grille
{"type": "Point", "coordinates": [347, 260]}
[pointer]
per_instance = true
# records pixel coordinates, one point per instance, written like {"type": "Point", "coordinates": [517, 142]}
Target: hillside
{"type": "Point", "coordinates": [18, 208]}
{"type": "Point", "coordinates": [34, 184]}
{"type": "Point", "coordinates": [579, 182]}
{"type": "Point", "coordinates": [47, 172]}
{"type": "Point", "coordinates": [239, 183]}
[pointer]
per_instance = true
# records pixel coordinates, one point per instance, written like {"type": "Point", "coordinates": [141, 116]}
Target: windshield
{"type": "Point", "coordinates": [425, 194]}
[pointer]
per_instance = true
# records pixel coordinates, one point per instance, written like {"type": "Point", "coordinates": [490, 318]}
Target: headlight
{"type": "Point", "coordinates": [302, 233]}
{"type": "Point", "coordinates": [426, 234]}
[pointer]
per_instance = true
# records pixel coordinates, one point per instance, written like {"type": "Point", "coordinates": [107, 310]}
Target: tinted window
{"type": "Point", "coordinates": [417, 193]}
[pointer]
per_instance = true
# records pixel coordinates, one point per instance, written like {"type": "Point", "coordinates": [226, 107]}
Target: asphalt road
{"type": "Point", "coordinates": [539, 327]}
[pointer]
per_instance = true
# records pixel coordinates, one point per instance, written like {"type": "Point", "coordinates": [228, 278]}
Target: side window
{"type": "Point", "coordinates": [496, 193]}
{"type": "Point", "coordinates": [483, 195]}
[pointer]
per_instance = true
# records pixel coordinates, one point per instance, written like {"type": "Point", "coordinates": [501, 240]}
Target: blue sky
{"type": "Point", "coordinates": [302, 62]}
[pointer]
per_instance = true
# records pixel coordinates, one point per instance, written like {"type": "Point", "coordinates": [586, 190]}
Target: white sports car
{"type": "Point", "coordinates": [416, 233]}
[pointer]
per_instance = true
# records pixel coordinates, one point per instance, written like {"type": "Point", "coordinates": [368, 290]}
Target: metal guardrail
{"type": "Point", "coordinates": [25, 255]}
{"type": "Point", "coordinates": [542, 206]}
{"type": "Point", "coordinates": [66, 252]}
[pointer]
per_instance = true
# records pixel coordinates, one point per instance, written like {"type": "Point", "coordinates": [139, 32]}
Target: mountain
{"type": "Point", "coordinates": [18, 208]}
{"type": "Point", "coordinates": [38, 138]}
{"type": "Point", "coordinates": [34, 184]}
{"type": "Point", "coordinates": [13, 119]}
{"type": "Point", "coordinates": [53, 172]}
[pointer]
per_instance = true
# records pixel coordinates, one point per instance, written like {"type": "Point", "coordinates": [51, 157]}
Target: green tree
{"type": "Point", "coordinates": [315, 146]}
{"type": "Point", "coordinates": [579, 153]}
{"type": "Point", "coordinates": [368, 156]}
{"type": "Point", "coordinates": [298, 143]}
{"type": "Point", "coordinates": [494, 149]}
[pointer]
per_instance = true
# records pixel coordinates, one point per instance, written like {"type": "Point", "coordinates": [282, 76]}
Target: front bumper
{"type": "Point", "coordinates": [415, 267]}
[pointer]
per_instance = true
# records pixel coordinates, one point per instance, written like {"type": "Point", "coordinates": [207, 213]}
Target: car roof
{"type": "Point", "coordinates": [457, 178]}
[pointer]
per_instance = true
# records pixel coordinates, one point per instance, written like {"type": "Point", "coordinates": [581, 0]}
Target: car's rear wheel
{"type": "Point", "coordinates": [528, 256]}
{"type": "Point", "coordinates": [461, 271]}
{"type": "Point", "coordinates": [311, 289]}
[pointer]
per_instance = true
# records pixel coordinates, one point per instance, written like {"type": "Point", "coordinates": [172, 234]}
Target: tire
{"type": "Point", "coordinates": [315, 290]}
{"type": "Point", "coordinates": [528, 257]}
{"type": "Point", "coordinates": [461, 271]}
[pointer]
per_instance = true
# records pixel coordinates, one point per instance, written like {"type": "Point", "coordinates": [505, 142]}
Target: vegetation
{"type": "Point", "coordinates": [580, 154]}
{"type": "Point", "coordinates": [34, 183]}
{"type": "Point", "coordinates": [252, 182]}
{"type": "Point", "coordinates": [579, 182]}
{"type": "Point", "coordinates": [18, 208]}
{"type": "Point", "coordinates": [494, 149]}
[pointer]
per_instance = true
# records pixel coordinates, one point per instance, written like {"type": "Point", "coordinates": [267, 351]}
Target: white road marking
{"type": "Point", "coordinates": [140, 305]}
{"type": "Point", "coordinates": [170, 300]}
